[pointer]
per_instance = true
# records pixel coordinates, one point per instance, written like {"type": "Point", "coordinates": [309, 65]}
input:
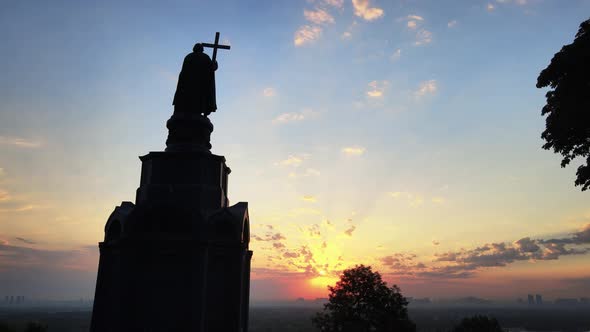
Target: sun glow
{"type": "Point", "coordinates": [323, 281]}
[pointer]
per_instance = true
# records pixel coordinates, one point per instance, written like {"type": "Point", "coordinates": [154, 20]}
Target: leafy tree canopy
{"type": "Point", "coordinates": [361, 301]}
{"type": "Point", "coordinates": [567, 129]}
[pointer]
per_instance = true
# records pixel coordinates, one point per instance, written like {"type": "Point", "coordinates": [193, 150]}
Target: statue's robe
{"type": "Point", "coordinates": [196, 85]}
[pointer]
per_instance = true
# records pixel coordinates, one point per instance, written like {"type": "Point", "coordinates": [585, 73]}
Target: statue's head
{"type": "Point", "coordinates": [198, 48]}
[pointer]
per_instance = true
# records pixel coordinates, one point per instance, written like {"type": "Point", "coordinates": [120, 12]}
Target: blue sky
{"type": "Point", "coordinates": [409, 122]}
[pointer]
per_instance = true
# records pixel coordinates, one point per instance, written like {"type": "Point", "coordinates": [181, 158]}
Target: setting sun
{"type": "Point", "coordinates": [323, 281]}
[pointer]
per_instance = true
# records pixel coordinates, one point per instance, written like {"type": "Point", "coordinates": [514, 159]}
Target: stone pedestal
{"type": "Point", "coordinates": [177, 259]}
{"type": "Point", "coordinates": [188, 132]}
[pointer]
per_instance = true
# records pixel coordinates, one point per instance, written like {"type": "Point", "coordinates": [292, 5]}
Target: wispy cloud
{"type": "Point", "coordinates": [353, 151]}
{"type": "Point", "coordinates": [290, 117]}
{"type": "Point", "coordinates": [269, 92]}
{"type": "Point", "coordinates": [348, 33]}
{"type": "Point", "coordinates": [396, 55]}
{"type": "Point", "coordinates": [465, 263]}
{"type": "Point", "coordinates": [452, 23]}
{"type": "Point", "coordinates": [377, 88]}
{"type": "Point", "coordinates": [20, 142]}
{"type": "Point", "coordinates": [318, 16]}
{"type": "Point", "coordinates": [490, 7]}
{"type": "Point", "coordinates": [334, 3]}
{"type": "Point", "coordinates": [27, 241]}
{"type": "Point", "coordinates": [413, 21]}
{"type": "Point", "coordinates": [13, 256]}
{"type": "Point", "coordinates": [415, 18]}
{"type": "Point", "coordinates": [350, 230]}
{"type": "Point", "coordinates": [518, 2]}
{"type": "Point", "coordinates": [423, 37]}
{"type": "Point", "coordinates": [309, 198]}
{"type": "Point", "coordinates": [292, 160]}
{"type": "Point", "coordinates": [269, 236]}
{"type": "Point", "coordinates": [307, 34]}
{"type": "Point", "coordinates": [363, 9]}
{"type": "Point", "coordinates": [18, 208]}
{"type": "Point", "coordinates": [427, 88]}
{"type": "Point", "coordinates": [4, 195]}
{"type": "Point", "coordinates": [308, 172]}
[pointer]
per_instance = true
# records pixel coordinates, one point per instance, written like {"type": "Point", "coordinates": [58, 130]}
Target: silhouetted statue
{"type": "Point", "coordinates": [196, 84]}
{"type": "Point", "coordinates": [178, 258]}
{"type": "Point", "coordinates": [195, 91]}
{"type": "Point", "coordinates": [189, 128]}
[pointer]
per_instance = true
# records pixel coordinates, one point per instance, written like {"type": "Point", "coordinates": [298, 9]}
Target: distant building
{"type": "Point", "coordinates": [584, 300]}
{"type": "Point", "coordinates": [531, 299]}
{"type": "Point", "coordinates": [519, 301]}
{"type": "Point", "coordinates": [11, 299]}
{"type": "Point", "coordinates": [538, 299]}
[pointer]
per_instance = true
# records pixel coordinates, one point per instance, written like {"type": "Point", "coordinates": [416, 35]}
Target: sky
{"type": "Point", "coordinates": [400, 134]}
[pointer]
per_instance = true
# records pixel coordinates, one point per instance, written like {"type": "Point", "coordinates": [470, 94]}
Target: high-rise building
{"type": "Point", "coordinates": [531, 299]}
{"type": "Point", "coordinates": [538, 299]}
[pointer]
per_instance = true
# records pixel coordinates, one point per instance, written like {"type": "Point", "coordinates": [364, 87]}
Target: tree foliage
{"type": "Point", "coordinates": [36, 327]}
{"type": "Point", "coordinates": [567, 130]}
{"type": "Point", "coordinates": [361, 301]}
{"type": "Point", "coordinates": [478, 324]}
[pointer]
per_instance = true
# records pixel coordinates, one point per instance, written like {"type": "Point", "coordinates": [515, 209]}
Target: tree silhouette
{"type": "Point", "coordinates": [478, 324]}
{"type": "Point", "coordinates": [36, 327]}
{"type": "Point", "coordinates": [5, 328]}
{"type": "Point", "coordinates": [567, 129]}
{"type": "Point", "coordinates": [361, 301]}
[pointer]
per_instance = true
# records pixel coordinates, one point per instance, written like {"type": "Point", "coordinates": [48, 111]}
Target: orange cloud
{"type": "Point", "coordinates": [427, 88]}
{"type": "Point", "coordinates": [364, 10]}
{"type": "Point", "coordinates": [350, 230]}
{"type": "Point", "coordinates": [318, 16]}
{"type": "Point", "coordinates": [306, 34]}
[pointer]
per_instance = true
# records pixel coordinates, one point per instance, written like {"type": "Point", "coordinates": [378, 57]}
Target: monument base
{"type": "Point", "coordinates": [178, 259]}
{"type": "Point", "coordinates": [189, 132]}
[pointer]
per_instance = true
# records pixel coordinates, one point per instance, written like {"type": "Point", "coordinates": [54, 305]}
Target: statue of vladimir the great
{"type": "Point", "coordinates": [195, 92]}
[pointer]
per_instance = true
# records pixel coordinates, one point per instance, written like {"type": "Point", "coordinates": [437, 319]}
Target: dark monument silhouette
{"type": "Point", "coordinates": [178, 259]}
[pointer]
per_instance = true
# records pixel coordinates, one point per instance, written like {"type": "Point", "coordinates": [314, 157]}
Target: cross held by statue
{"type": "Point", "coordinates": [216, 46]}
